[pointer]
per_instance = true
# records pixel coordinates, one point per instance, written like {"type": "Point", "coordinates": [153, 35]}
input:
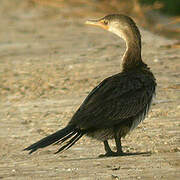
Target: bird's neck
{"type": "Point", "coordinates": [132, 55]}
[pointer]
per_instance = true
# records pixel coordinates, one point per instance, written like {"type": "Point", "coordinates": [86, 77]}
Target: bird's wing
{"type": "Point", "coordinates": [112, 101]}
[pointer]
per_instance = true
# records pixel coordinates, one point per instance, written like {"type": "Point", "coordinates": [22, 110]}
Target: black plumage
{"type": "Point", "coordinates": [119, 103]}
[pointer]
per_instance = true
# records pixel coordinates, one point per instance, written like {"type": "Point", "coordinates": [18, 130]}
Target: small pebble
{"type": "Point", "coordinates": [156, 60]}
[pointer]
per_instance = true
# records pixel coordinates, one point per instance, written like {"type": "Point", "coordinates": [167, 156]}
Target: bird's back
{"type": "Point", "coordinates": [116, 100]}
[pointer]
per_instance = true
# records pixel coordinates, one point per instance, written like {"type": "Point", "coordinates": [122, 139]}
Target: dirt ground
{"type": "Point", "coordinates": [47, 67]}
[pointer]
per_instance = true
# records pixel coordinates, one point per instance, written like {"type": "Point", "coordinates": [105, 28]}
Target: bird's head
{"type": "Point", "coordinates": [118, 24]}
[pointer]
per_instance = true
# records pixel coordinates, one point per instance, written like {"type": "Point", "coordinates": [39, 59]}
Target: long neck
{"type": "Point", "coordinates": [132, 55]}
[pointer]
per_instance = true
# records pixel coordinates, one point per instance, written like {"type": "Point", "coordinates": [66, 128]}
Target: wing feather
{"type": "Point", "coordinates": [114, 100]}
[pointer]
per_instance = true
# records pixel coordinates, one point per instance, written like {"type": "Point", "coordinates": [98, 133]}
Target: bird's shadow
{"type": "Point", "coordinates": [148, 153]}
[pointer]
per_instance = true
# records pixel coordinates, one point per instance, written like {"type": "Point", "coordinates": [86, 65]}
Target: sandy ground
{"type": "Point", "coordinates": [47, 67]}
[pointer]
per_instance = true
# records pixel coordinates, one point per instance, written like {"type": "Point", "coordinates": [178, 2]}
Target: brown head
{"type": "Point", "coordinates": [124, 27]}
{"type": "Point", "coordinates": [120, 25]}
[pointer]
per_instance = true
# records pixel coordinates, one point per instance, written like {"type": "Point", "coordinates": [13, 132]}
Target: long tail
{"type": "Point", "coordinates": [58, 137]}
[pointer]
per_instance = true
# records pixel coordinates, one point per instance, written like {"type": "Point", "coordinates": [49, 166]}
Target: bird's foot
{"type": "Point", "coordinates": [112, 154]}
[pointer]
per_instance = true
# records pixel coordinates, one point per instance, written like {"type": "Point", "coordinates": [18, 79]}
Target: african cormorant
{"type": "Point", "coordinates": [119, 103]}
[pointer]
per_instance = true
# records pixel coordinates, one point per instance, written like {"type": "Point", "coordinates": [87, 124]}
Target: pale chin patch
{"type": "Point", "coordinates": [121, 35]}
{"type": "Point", "coordinates": [117, 32]}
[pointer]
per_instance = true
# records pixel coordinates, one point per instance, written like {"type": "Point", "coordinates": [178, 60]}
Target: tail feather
{"type": "Point", "coordinates": [57, 137]}
{"type": "Point", "coordinates": [64, 138]}
{"type": "Point", "coordinates": [71, 142]}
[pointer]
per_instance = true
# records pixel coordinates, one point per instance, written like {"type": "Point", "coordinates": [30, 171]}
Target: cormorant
{"type": "Point", "coordinates": [119, 103]}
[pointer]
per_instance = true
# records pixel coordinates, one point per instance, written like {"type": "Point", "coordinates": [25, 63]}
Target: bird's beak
{"type": "Point", "coordinates": [93, 22]}
{"type": "Point", "coordinates": [97, 23]}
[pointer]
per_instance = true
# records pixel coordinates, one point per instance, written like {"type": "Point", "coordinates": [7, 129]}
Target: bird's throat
{"type": "Point", "coordinates": [132, 56]}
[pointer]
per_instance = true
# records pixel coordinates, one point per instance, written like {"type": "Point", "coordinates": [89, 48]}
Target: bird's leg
{"type": "Point", "coordinates": [118, 145]}
{"type": "Point", "coordinates": [108, 150]}
{"type": "Point", "coordinates": [107, 147]}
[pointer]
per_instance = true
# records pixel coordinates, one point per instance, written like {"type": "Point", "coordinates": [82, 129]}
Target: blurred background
{"type": "Point", "coordinates": [160, 16]}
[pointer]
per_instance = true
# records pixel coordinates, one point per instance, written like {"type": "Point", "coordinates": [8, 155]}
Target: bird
{"type": "Point", "coordinates": [118, 104]}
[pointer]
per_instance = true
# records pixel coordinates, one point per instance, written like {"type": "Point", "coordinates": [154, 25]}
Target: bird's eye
{"type": "Point", "coordinates": [105, 22]}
